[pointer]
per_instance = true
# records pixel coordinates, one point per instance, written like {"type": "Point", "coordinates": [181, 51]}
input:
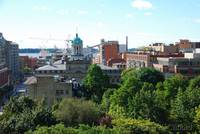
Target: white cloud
{"type": "Point", "coordinates": [128, 15]}
{"type": "Point", "coordinates": [62, 12]}
{"type": "Point", "coordinates": [41, 8]}
{"type": "Point", "coordinates": [82, 12]}
{"type": "Point", "coordinates": [141, 4]}
{"type": "Point", "coordinates": [148, 14]}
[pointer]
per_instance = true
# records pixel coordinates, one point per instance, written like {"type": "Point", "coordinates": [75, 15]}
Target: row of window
{"type": "Point", "coordinates": [51, 72]}
{"type": "Point", "coordinates": [62, 92]}
{"type": "Point", "coordinates": [111, 71]}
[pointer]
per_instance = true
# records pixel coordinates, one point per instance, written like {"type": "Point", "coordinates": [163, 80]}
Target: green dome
{"type": "Point", "coordinates": [77, 41]}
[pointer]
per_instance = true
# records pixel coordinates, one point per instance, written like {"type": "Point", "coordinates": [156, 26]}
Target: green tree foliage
{"type": "Point", "coordinates": [23, 114]}
{"type": "Point", "coordinates": [95, 83]}
{"type": "Point", "coordinates": [76, 111]}
{"type": "Point", "coordinates": [82, 129]}
{"type": "Point", "coordinates": [136, 98]}
{"type": "Point", "coordinates": [197, 118]}
{"type": "Point", "coordinates": [57, 129]}
{"type": "Point", "coordinates": [183, 107]}
{"type": "Point", "coordinates": [120, 126]}
{"type": "Point", "coordinates": [146, 105]}
{"type": "Point", "coordinates": [195, 83]}
{"type": "Point", "coordinates": [27, 70]}
{"type": "Point", "coordinates": [133, 126]}
{"type": "Point", "coordinates": [149, 75]}
{"type": "Point", "coordinates": [173, 84]}
{"type": "Point", "coordinates": [105, 103]}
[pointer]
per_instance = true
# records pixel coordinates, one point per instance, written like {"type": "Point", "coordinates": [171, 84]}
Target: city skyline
{"type": "Point", "coordinates": [144, 21]}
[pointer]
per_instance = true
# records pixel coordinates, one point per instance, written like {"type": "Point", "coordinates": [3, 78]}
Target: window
{"type": "Point", "coordinates": [59, 92]}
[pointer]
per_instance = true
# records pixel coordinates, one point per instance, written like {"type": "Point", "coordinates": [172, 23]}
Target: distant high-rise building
{"type": "Point", "coordinates": [12, 60]}
{"type": "Point", "coordinates": [4, 80]}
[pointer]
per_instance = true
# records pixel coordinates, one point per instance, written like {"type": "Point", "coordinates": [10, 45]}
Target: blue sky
{"type": "Point", "coordinates": [144, 21]}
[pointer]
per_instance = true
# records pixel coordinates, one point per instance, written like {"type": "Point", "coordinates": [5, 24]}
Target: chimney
{"type": "Point", "coordinates": [126, 43]}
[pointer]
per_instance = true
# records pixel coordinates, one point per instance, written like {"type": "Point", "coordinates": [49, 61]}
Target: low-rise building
{"type": "Point", "coordinates": [29, 62]}
{"type": "Point", "coordinates": [113, 73]}
{"type": "Point", "coordinates": [185, 45]}
{"type": "Point", "coordinates": [141, 59]}
{"type": "Point", "coordinates": [185, 66]}
{"type": "Point", "coordinates": [165, 49]}
{"type": "Point", "coordinates": [49, 88]}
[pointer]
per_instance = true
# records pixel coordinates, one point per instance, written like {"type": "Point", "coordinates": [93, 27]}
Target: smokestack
{"type": "Point", "coordinates": [126, 43]}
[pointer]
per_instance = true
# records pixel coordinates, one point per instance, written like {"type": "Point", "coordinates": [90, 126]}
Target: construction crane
{"type": "Point", "coordinates": [67, 41]}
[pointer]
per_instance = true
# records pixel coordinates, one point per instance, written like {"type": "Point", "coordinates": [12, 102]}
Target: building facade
{"type": "Point", "coordinates": [165, 49]}
{"type": "Point", "coordinates": [4, 76]}
{"type": "Point", "coordinates": [29, 62]}
{"type": "Point", "coordinates": [113, 73]}
{"type": "Point", "coordinates": [108, 50]}
{"type": "Point", "coordinates": [77, 64]}
{"type": "Point", "coordinates": [185, 66]}
{"type": "Point", "coordinates": [49, 88]}
{"type": "Point", "coordinates": [186, 45]}
{"type": "Point", "coordinates": [13, 61]}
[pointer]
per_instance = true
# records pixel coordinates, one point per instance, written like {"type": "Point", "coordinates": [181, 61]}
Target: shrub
{"type": "Point", "coordinates": [76, 111]}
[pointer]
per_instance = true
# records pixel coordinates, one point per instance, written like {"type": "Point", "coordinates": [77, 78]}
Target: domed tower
{"type": "Point", "coordinates": [77, 46]}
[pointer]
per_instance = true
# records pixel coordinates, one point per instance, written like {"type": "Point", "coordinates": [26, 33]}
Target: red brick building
{"type": "Point", "coordinates": [110, 62]}
{"type": "Point", "coordinates": [28, 62]}
{"type": "Point", "coordinates": [142, 59]}
{"type": "Point", "coordinates": [109, 50]}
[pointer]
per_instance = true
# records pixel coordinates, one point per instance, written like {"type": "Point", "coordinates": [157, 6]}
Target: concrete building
{"type": "Point", "coordinates": [49, 88]}
{"type": "Point", "coordinates": [60, 79]}
{"type": "Point", "coordinates": [13, 61]}
{"type": "Point", "coordinates": [162, 48]}
{"type": "Point", "coordinates": [145, 59]}
{"type": "Point", "coordinates": [185, 66]}
{"type": "Point", "coordinates": [4, 80]}
{"type": "Point", "coordinates": [77, 64]}
{"type": "Point", "coordinates": [113, 73]}
{"type": "Point", "coordinates": [49, 83]}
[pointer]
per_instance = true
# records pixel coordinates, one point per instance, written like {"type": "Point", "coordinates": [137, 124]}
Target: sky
{"type": "Point", "coordinates": [46, 23]}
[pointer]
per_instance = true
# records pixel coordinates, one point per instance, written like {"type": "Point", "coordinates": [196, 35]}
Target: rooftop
{"type": "Point", "coordinates": [52, 67]}
{"type": "Point", "coordinates": [104, 67]}
{"type": "Point", "coordinates": [30, 80]}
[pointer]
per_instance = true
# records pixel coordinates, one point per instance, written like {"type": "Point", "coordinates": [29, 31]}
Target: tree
{"type": "Point", "coordinates": [183, 108]}
{"type": "Point", "coordinates": [105, 103]}
{"type": "Point", "coordinates": [134, 126]}
{"type": "Point", "coordinates": [149, 75]}
{"type": "Point", "coordinates": [23, 114]}
{"type": "Point", "coordinates": [197, 118]}
{"type": "Point", "coordinates": [57, 129]}
{"type": "Point", "coordinates": [195, 83]}
{"type": "Point", "coordinates": [173, 84]}
{"type": "Point", "coordinates": [76, 111]}
{"type": "Point", "coordinates": [95, 83]}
